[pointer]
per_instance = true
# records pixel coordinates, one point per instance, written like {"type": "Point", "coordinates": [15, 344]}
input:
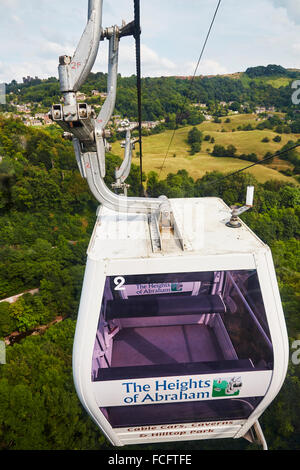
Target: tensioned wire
{"type": "Point", "coordinates": [193, 78]}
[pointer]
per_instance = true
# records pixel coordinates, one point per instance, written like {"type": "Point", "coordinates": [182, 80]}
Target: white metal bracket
{"type": "Point", "coordinates": [256, 435]}
{"type": "Point", "coordinates": [236, 211]}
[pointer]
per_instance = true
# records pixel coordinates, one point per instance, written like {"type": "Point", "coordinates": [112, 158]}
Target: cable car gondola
{"type": "Point", "coordinates": [180, 332]}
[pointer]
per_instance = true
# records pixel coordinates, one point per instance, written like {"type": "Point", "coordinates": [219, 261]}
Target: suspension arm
{"type": "Point", "coordinates": [83, 126]}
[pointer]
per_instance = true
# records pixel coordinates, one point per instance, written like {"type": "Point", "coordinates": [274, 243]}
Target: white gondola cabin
{"type": "Point", "coordinates": [179, 344]}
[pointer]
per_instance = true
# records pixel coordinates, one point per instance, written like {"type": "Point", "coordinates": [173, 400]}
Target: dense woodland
{"type": "Point", "coordinates": [47, 215]}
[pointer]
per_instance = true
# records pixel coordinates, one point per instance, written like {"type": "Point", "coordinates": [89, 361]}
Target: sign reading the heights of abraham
{"type": "Point", "coordinates": [162, 390]}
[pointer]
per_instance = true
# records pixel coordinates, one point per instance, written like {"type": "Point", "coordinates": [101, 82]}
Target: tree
{"type": "Point", "coordinates": [171, 121]}
{"type": "Point", "coordinates": [39, 407]}
{"type": "Point", "coordinates": [195, 147]}
{"type": "Point", "coordinates": [6, 323]}
{"type": "Point", "coordinates": [220, 151]}
{"type": "Point", "coordinates": [195, 139]}
{"type": "Point", "coordinates": [194, 135]}
{"type": "Point", "coordinates": [289, 196]}
{"type": "Point", "coordinates": [235, 106]}
{"type": "Point", "coordinates": [231, 151]}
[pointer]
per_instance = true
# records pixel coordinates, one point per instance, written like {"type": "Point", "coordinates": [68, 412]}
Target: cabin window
{"type": "Point", "coordinates": [191, 412]}
{"type": "Point", "coordinates": [177, 324]}
{"type": "Point", "coordinates": [165, 321]}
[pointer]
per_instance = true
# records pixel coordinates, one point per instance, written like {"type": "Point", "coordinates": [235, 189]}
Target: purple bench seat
{"type": "Point", "coordinates": [156, 306]}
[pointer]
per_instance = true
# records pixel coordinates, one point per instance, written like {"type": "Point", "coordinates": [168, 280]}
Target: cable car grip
{"type": "Point", "coordinates": [88, 130]}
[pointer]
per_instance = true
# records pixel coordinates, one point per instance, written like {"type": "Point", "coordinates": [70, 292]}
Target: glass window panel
{"type": "Point", "coordinates": [160, 320]}
{"type": "Point", "coordinates": [174, 324]}
{"type": "Point", "coordinates": [147, 415]}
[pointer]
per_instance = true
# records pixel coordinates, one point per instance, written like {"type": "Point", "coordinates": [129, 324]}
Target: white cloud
{"type": "Point", "coordinates": [211, 67]}
{"type": "Point", "coordinates": [17, 19]}
{"type": "Point", "coordinates": [152, 63]}
{"type": "Point", "coordinates": [18, 70]}
{"type": "Point", "coordinates": [49, 49]}
{"type": "Point", "coordinates": [155, 65]}
{"type": "Point", "coordinates": [292, 8]}
{"type": "Point", "coordinates": [33, 34]}
{"type": "Point", "coordinates": [8, 4]}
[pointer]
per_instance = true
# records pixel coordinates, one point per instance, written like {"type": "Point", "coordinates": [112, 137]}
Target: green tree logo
{"type": "Point", "coordinates": [224, 387]}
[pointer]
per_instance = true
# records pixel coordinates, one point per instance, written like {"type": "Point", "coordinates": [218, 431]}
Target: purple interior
{"type": "Point", "coordinates": [180, 324]}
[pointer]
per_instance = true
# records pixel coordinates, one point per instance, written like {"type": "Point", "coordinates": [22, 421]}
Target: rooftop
{"type": "Point", "coordinates": [201, 223]}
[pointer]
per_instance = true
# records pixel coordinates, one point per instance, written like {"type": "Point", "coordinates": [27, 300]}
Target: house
{"type": "Point", "coordinates": [150, 124]}
{"type": "Point", "coordinates": [199, 105]}
{"type": "Point", "coordinates": [260, 109]}
{"type": "Point", "coordinates": [43, 118]}
{"type": "Point", "coordinates": [33, 122]}
{"type": "Point", "coordinates": [23, 108]}
{"type": "Point", "coordinates": [99, 93]}
{"type": "Point", "coordinates": [80, 96]}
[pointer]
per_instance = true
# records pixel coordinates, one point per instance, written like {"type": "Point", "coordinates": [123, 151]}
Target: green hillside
{"type": "Point", "coordinates": [178, 157]}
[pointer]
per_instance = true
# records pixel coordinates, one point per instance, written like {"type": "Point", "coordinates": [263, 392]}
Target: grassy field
{"type": "Point", "coordinates": [274, 81]}
{"type": "Point", "coordinates": [178, 157]}
{"type": "Point", "coordinates": [278, 82]}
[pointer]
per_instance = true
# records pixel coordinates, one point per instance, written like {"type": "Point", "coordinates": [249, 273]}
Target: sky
{"type": "Point", "coordinates": [34, 33]}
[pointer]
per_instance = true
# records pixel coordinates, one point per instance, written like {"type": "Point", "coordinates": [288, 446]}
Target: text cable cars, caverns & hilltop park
{"type": "Point", "coordinates": [180, 332]}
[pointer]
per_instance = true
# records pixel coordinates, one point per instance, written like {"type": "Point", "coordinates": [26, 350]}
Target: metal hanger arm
{"type": "Point", "coordinates": [79, 120]}
{"type": "Point", "coordinates": [74, 71]}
